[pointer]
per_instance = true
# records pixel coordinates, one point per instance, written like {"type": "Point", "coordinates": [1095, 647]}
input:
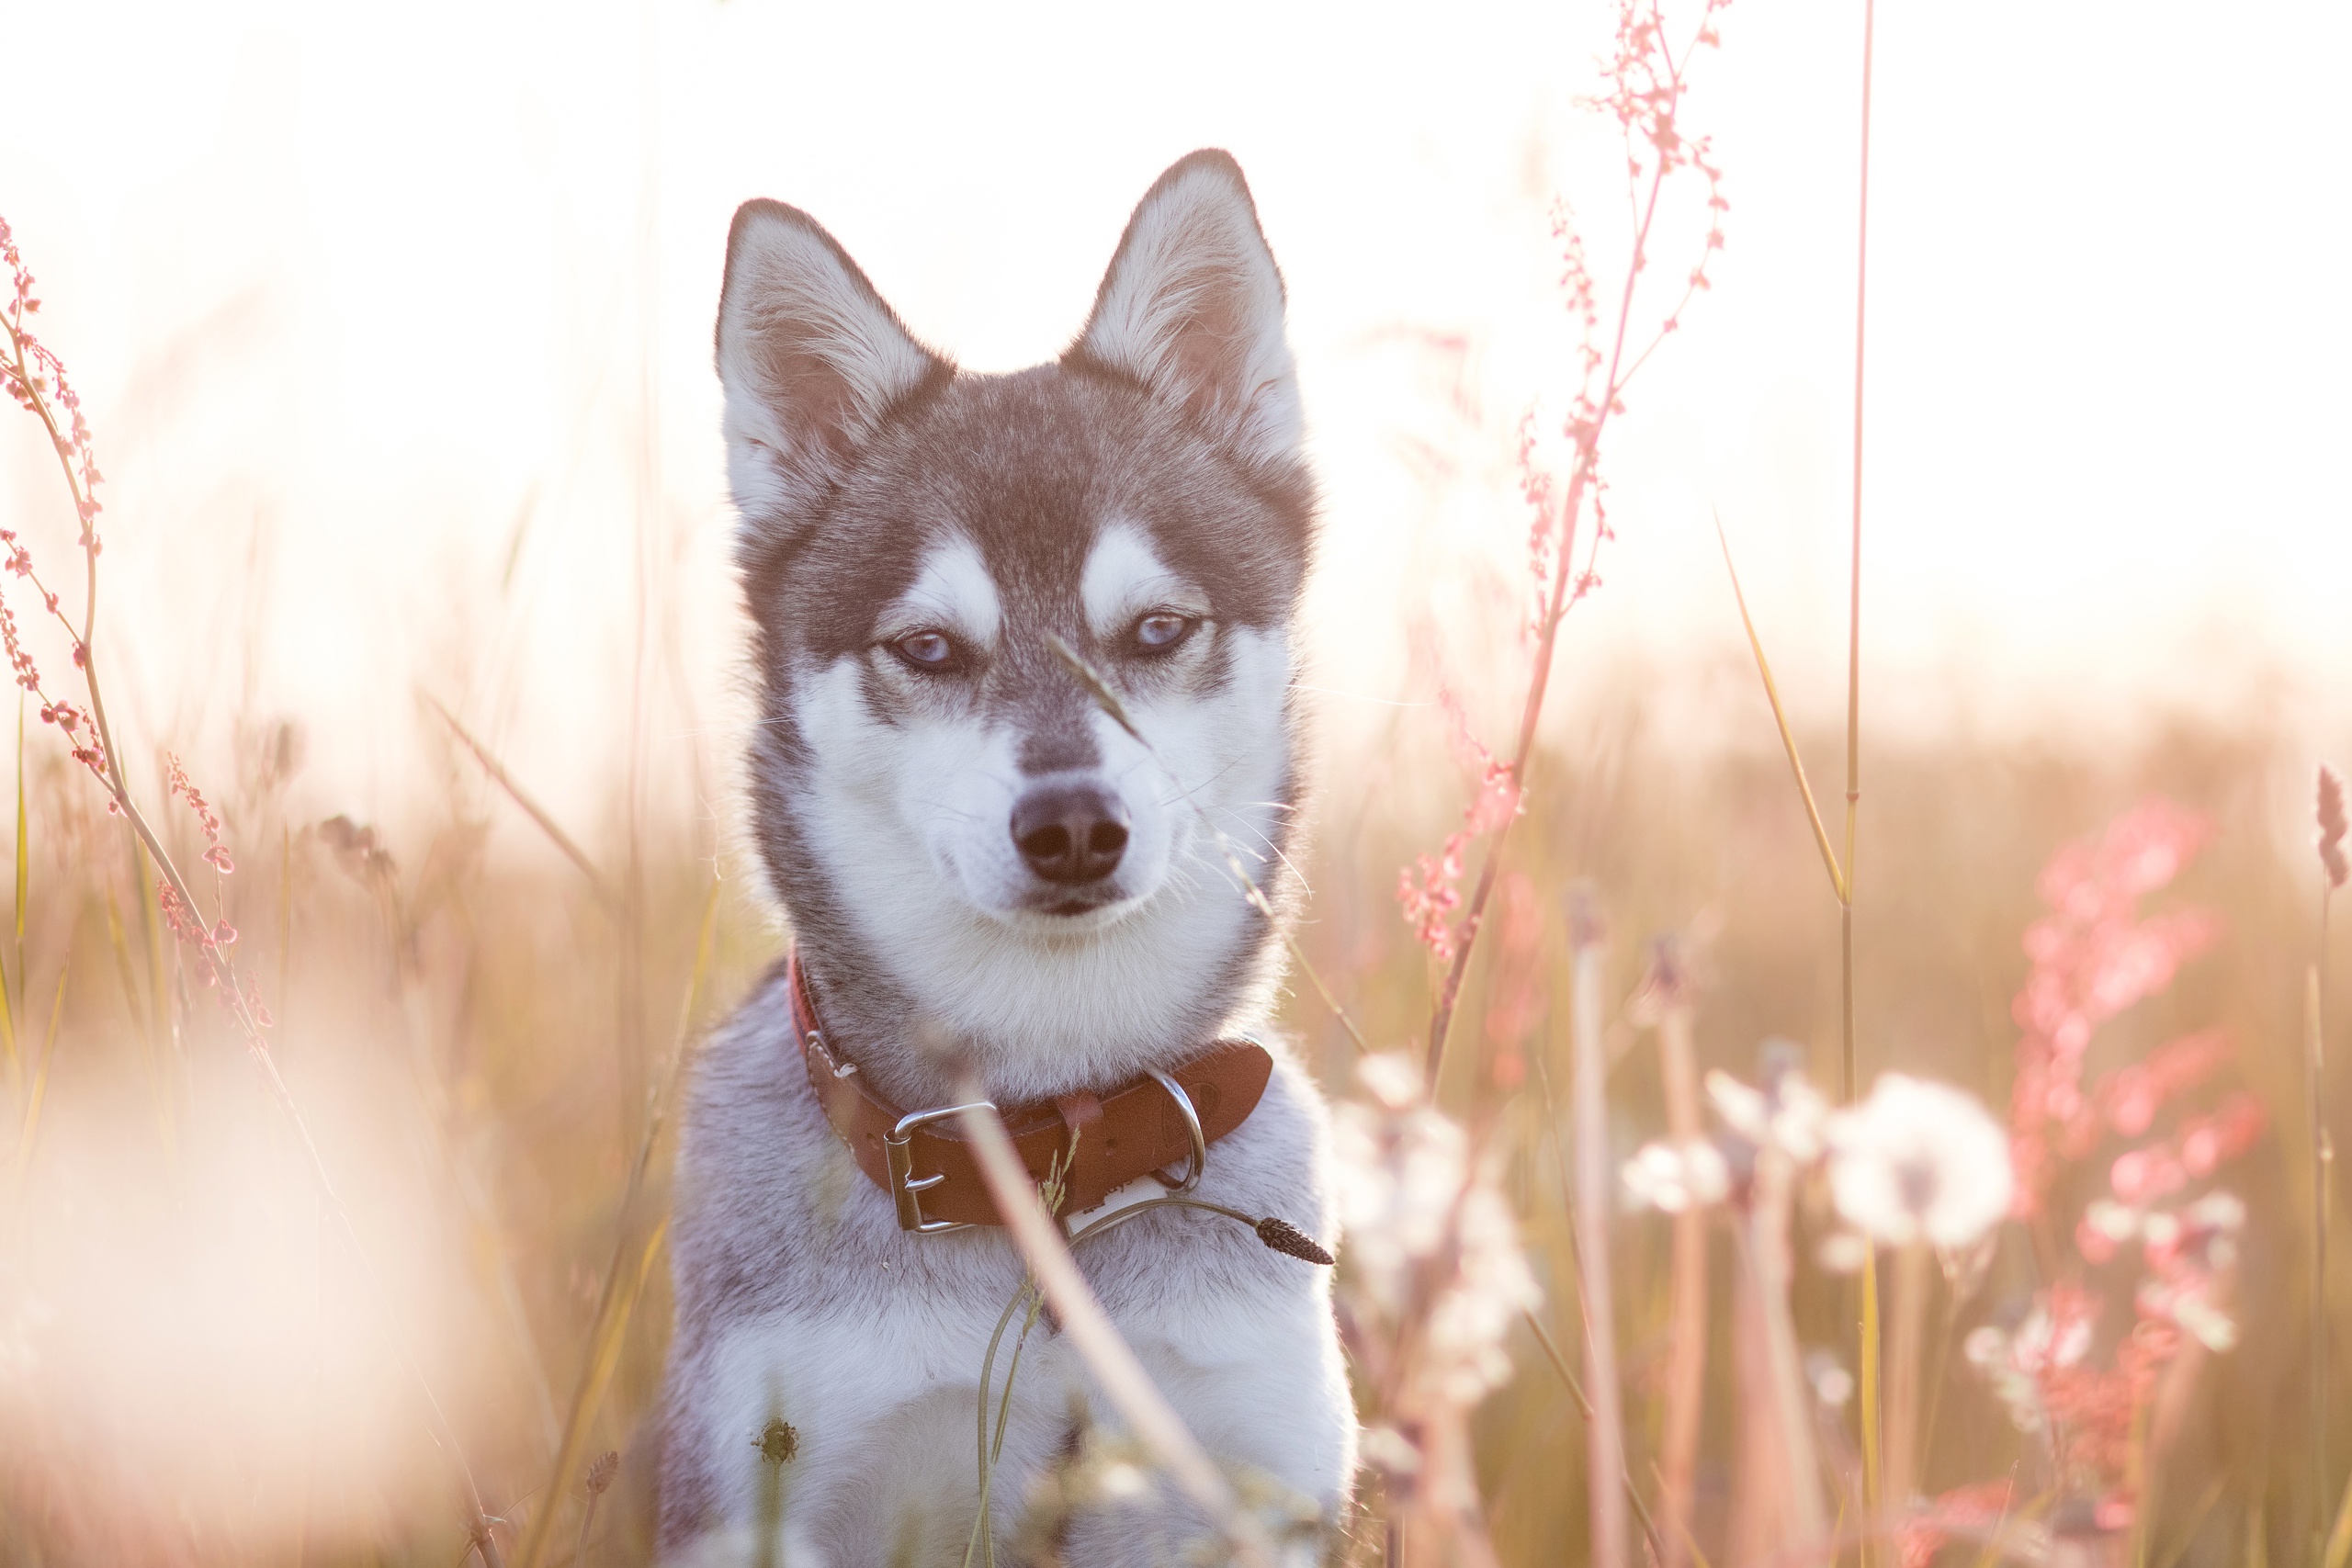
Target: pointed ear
{"type": "Point", "coordinates": [1193, 308]}
{"type": "Point", "coordinates": [811, 361]}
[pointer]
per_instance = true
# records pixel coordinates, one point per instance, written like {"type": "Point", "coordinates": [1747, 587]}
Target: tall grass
{"type": "Point", "coordinates": [282, 1272]}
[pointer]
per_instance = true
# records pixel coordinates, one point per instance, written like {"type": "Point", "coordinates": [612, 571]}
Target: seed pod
{"type": "Point", "coordinates": [2330, 827]}
{"type": "Point", "coordinates": [1288, 1239]}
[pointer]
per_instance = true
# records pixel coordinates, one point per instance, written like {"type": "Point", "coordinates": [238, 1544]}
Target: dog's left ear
{"type": "Point", "coordinates": [1193, 308]}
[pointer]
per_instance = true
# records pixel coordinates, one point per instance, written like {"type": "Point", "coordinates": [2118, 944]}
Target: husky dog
{"type": "Point", "coordinates": [985, 874]}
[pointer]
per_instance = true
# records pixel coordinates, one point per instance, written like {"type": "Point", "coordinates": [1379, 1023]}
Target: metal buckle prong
{"type": "Point", "coordinates": [1193, 1125]}
{"type": "Point", "coordinates": [905, 1188]}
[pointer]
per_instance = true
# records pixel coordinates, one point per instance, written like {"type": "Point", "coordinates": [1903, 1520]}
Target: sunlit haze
{"type": "Point", "coordinates": [394, 329]}
{"type": "Point", "coordinates": [359, 307]}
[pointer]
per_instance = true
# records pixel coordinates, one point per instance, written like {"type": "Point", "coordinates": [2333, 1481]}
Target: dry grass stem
{"type": "Point", "coordinates": [562, 840]}
{"type": "Point", "coordinates": [1912, 1279]}
{"type": "Point", "coordinates": [1780, 718]}
{"type": "Point", "coordinates": [1686, 1374]}
{"type": "Point", "coordinates": [1116, 1371]}
{"type": "Point", "coordinates": [1596, 1190]}
{"type": "Point", "coordinates": [617, 1297]}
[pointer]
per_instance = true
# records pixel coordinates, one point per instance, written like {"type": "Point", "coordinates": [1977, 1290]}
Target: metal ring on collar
{"type": "Point", "coordinates": [1200, 1162]}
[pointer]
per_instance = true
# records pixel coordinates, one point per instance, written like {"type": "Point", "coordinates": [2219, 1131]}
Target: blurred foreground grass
{"type": "Point", "coordinates": [194, 1369]}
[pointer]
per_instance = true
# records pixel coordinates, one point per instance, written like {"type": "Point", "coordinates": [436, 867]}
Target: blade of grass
{"type": "Point", "coordinates": [2339, 1539]}
{"type": "Point", "coordinates": [2315, 1078]}
{"type": "Point", "coordinates": [1869, 1389]}
{"type": "Point", "coordinates": [1576, 1391]}
{"type": "Point", "coordinates": [32, 1128]}
{"type": "Point", "coordinates": [1780, 718]}
{"type": "Point", "coordinates": [161, 1024]}
{"type": "Point", "coordinates": [2206, 1503]}
{"type": "Point", "coordinates": [562, 840]}
{"type": "Point", "coordinates": [1686, 1373]}
{"type": "Point", "coordinates": [613, 1305]}
{"type": "Point", "coordinates": [1587, 1107]}
{"type": "Point", "coordinates": [8, 985]}
{"type": "Point", "coordinates": [1869, 1328]}
{"type": "Point", "coordinates": [611, 1332]}
{"type": "Point", "coordinates": [1575, 1265]}
{"type": "Point", "coordinates": [1116, 1371]}
{"type": "Point", "coordinates": [24, 841]}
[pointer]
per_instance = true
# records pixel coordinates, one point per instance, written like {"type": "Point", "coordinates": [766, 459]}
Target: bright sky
{"type": "Point", "coordinates": [358, 302]}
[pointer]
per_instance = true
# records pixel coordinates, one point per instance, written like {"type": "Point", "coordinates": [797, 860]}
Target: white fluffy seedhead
{"type": "Point", "coordinates": [1193, 308]}
{"type": "Point", "coordinates": [811, 360]}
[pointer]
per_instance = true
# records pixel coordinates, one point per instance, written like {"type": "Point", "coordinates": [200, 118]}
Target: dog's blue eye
{"type": "Point", "coordinates": [1161, 632]}
{"type": "Point", "coordinates": [931, 649]}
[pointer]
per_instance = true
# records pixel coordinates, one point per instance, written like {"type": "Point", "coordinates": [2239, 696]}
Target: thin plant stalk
{"type": "Point", "coordinates": [1869, 1392]}
{"type": "Point", "coordinates": [2314, 1072]}
{"type": "Point", "coordinates": [29, 377]}
{"type": "Point", "coordinates": [1911, 1287]}
{"type": "Point", "coordinates": [1854, 584]}
{"type": "Point", "coordinates": [40, 1085]}
{"type": "Point", "coordinates": [1757, 1520]}
{"type": "Point", "coordinates": [10, 986]}
{"type": "Point", "coordinates": [1849, 1082]}
{"type": "Point", "coordinates": [1563, 590]}
{"type": "Point", "coordinates": [1584, 1313]}
{"type": "Point", "coordinates": [983, 1538]}
{"type": "Point", "coordinates": [1840, 888]}
{"type": "Point", "coordinates": [1116, 1371]}
{"type": "Point", "coordinates": [2334, 871]}
{"type": "Point", "coordinates": [2339, 1538]}
{"type": "Point", "coordinates": [1552, 1353]}
{"type": "Point", "coordinates": [546, 824]}
{"type": "Point", "coordinates": [1605, 1452]}
{"type": "Point", "coordinates": [1686, 1372]}
{"type": "Point", "coordinates": [1764, 1252]}
{"type": "Point", "coordinates": [617, 1298]}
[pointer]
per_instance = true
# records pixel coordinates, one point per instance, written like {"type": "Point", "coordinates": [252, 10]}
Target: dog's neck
{"type": "Point", "coordinates": [1033, 1023]}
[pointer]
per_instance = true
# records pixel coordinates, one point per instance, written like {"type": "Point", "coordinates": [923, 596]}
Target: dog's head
{"type": "Point", "coordinates": [936, 788]}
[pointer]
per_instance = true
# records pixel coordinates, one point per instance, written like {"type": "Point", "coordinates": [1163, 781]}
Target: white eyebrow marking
{"type": "Point", "coordinates": [1123, 575]}
{"type": "Point", "coordinates": [953, 591]}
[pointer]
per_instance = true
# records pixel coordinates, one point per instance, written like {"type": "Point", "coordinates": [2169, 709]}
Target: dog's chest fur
{"type": "Point", "coordinates": [799, 1298]}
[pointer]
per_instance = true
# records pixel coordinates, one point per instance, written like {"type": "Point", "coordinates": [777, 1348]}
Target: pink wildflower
{"type": "Point", "coordinates": [2332, 828]}
{"type": "Point", "coordinates": [2094, 957]}
{"type": "Point", "coordinates": [216, 854]}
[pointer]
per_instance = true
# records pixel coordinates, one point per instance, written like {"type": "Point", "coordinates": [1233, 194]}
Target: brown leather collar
{"type": "Point", "coordinates": [922, 1160]}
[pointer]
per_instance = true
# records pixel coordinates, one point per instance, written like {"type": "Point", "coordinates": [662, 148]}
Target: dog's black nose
{"type": "Point", "coordinates": [1069, 833]}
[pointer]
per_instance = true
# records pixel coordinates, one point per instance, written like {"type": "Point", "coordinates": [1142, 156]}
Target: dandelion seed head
{"type": "Point", "coordinates": [1920, 1161]}
{"type": "Point", "coordinates": [1791, 1117]}
{"type": "Point", "coordinates": [1673, 1177]}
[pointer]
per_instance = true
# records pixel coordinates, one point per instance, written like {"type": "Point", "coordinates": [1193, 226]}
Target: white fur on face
{"type": "Point", "coordinates": [913, 818]}
{"type": "Point", "coordinates": [1125, 577]}
{"type": "Point", "coordinates": [953, 594]}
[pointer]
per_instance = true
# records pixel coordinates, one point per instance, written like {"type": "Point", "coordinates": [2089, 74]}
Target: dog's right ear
{"type": "Point", "coordinates": [811, 361]}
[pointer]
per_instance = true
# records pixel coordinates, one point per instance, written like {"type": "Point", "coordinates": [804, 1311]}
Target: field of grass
{"type": "Point", "coordinates": [197, 1369]}
{"type": "Point", "coordinates": [335, 1152]}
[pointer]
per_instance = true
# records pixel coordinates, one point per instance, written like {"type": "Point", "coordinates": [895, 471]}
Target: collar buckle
{"type": "Point", "coordinates": [905, 1188]}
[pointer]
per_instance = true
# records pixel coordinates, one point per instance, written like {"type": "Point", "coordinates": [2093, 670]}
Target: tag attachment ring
{"type": "Point", "coordinates": [1200, 1161]}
